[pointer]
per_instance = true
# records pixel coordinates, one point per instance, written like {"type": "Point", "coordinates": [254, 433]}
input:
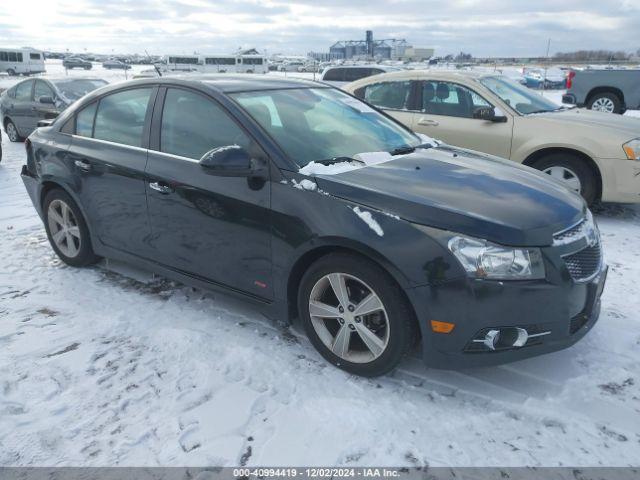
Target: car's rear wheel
{"type": "Point", "coordinates": [11, 72]}
{"type": "Point", "coordinates": [67, 230]}
{"type": "Point", "coordinates": [605, 102]}
{"type": "Point", "coordinates": [573, 171]}
{"type": "Point", "coordinates": [12, 132]}
{"type": "Point", "coordinates": [355, 315]}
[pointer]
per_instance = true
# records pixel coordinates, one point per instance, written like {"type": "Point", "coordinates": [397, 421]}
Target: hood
{"type": "Point", "coordinates": [624, 126]}
{"type": "Point", "coordinates": [464, 192]}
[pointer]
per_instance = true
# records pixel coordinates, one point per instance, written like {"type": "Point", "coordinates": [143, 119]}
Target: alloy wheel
{"type": "Point", "coordinates": [565, 175]}
{"type": "Point", "coordinates": [12, 132]}
{"type": "Point", "coordinates": [349, 318]}
{"type": "Point", "coordinates": [64, 228]}
{"type": "Point", "coordinates": [603, 104]}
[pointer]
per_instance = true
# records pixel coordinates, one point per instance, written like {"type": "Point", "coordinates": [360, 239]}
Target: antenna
{"type": "Point", "coordinates": [157, 69]}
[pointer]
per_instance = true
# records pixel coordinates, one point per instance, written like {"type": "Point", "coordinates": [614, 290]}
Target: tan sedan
{"type": "Point", "coordinates": [594, 153]}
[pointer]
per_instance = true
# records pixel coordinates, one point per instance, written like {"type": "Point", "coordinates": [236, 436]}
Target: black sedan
{"type": "Point", "coordinates": [30, 101]}
{"type": "Point", "coordinates": [318, 207]}
{"type": "Point", "coordinates": [115, 64]}
{"type": "Point", "coordinates": [76, 62]}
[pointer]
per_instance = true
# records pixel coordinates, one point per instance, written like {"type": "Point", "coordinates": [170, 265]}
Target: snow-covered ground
{"type": "Point", "coordinates": [97, 368]}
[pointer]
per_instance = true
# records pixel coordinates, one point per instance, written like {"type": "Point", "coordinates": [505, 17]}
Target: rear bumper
{"type": "Point", "coordinates": [33, 187]}
{"type": "Point", "coordinates": [566, 311]}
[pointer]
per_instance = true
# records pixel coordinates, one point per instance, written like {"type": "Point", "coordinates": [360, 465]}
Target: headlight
{"type": "Point", "coordinates": [632, 149]}
{"type": "Point", "coordinates": [482, 259]}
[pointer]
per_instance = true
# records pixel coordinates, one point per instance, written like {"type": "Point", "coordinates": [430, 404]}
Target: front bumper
{"type": "Point", "coordinates": [567, 310]}
{"type": "Point", "coordinates": [620, 179]}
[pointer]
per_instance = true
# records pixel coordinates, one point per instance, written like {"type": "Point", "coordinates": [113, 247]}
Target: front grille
{"type": "Point", "coordinates": [584, 264]}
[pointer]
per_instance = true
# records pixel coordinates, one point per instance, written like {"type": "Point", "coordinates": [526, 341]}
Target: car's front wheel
{"type": "Point", "coordinates": [355, 315]}
{"type": "Point", "coordinates": [12, 132]}
{"type": "Point", "coordinates": [571, 170]}
{"type": "Point", "coordinates": [67, 230]}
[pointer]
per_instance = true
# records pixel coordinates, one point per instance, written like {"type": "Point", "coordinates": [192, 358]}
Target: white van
{"type": "Point", "coordinates": [234, 64]}
{"type": "Point", "coordinates": [25, 61]}
{"type": "Point", "coordinates": [182, 63]}
{"type": "Point", "coordinates": [252, 64]}
{"type": "Point", "coordinates": [219, 63]}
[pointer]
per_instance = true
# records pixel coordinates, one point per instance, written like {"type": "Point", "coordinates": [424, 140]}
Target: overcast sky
{"type": "Point", "coordinates": [482, 27]}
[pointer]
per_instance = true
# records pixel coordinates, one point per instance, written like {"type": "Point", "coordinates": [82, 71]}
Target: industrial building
{"type": "Point", "coordinates": [383, 49]}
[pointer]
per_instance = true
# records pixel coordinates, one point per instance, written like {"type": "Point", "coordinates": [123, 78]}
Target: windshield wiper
{"type": "Point", "coordinates": [403, 150]}
{"type": "Point", "coordinates": [334, 160]}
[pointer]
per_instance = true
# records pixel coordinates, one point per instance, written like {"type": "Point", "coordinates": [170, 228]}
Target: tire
{"type": "Point", "coordinates": [87, 68]}
{"type": "Point", "coordinates": [572, 165]}
{"type": "Point", "coordinates": [605, 102]}
{"type": "Point", "coordinates": [394, 324]}
{"type": "Point", "coordinates": [11, 72]}
{"type": "Point", "coordinates": [12, 132]}
{"type": "Point", "coordinates": [81, 239]}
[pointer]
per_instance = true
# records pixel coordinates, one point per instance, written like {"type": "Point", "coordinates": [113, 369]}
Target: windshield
{"type": "Point", "coordinates": [74, 89]}
{"type": "Point", "coordinates": [518, 96]}
{"type": "Point", "coordinates": [321, 124]}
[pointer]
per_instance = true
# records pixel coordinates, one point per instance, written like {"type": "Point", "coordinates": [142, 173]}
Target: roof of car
{"type": "Point", "coordinates": [232, 83]}
{"type": "Point", "coordinates": [436, 74]}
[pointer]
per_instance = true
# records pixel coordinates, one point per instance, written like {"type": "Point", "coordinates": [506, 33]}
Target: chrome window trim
{"type": "Point", "coordinates": [107, 142]}
{"type": "Point", "coordinates": [173, 155]}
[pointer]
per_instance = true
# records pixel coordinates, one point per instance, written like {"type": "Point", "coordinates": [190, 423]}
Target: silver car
{"type": "Point", "coordinates": [30, 101]}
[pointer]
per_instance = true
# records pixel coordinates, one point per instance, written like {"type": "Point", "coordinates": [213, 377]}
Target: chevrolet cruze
{"type": "Point", "coordinates": [323, 210]}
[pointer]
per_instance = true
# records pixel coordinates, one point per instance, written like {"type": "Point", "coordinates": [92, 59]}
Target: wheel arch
{"type": "Point", "coordinates": [50, 184]}
{"type": "Point", "coordinates": [329, 246]}
{"type": "Point", "coordinates": [538, 154]}
{"type": "Point", "coordinates": [597, 90]}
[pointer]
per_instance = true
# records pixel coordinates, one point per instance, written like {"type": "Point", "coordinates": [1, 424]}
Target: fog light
{"type": "Point", "coordinates": [505, 338]}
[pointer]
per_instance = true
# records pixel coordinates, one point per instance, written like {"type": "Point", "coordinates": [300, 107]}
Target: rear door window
{"type": "Point", "coordinates": [23, 91]}
{"type": "Point", "coordinates": [84, 120]}
{"type": "Point", "coordinates": [334, 75]}
{"type": "Point", "coordinates": [394, 95]}
{"type": "Point", "coordinates": [121, 117]}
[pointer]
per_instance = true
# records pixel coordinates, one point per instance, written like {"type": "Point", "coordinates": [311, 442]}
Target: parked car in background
{"type": "Point", "coordinates": [311, 204]}
{"type": "Point", "coordinates": [30, 101]}
{"type": "Point", "coordinates": [76, 62]}
{"type": "Point", "coordinates": [115, 64]}
{"type": "Point", "coordinates": [342, 74]}
{"type": "Point", "coordinates": [290, 66]}
{"type": "Point", "coordinates": [611, 91]}
{"type": "Point", "coordinates": [549, 79]}
{"type": "Point", "coordinates": [21, 61]}
{"type": "Point", "coordinates": [593, 153]}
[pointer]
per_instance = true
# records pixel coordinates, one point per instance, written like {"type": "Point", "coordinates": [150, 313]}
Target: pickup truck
{"type": "Point", "coordinates": [612, 91]}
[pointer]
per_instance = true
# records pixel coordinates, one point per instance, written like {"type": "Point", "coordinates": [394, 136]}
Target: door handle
{"type": "Point", "coordinates": [83, 165]}
{"type": "Point", "coordinates": [428, 122]}
{"type": "Point", "coordinates": [161, 187]}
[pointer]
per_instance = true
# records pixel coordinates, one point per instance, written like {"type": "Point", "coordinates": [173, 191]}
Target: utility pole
{"type": "Point", "coordinates": [544, 81]}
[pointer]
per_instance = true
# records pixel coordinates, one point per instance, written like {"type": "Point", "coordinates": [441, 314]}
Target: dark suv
{"type": "Point", "coordinates": [317, 207]}
{"type": "Point", "coordinates": [31, 101]}
{"type": "Point", "coordinates": [76, 62]}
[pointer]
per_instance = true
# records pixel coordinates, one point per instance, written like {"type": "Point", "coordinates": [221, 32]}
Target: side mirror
{"type": "Point", "coordinates": [228, 161]}
{"type": "Point", "coordinates": [47, 99]}
{"type": "Point", "coordinates": [489, 114]}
